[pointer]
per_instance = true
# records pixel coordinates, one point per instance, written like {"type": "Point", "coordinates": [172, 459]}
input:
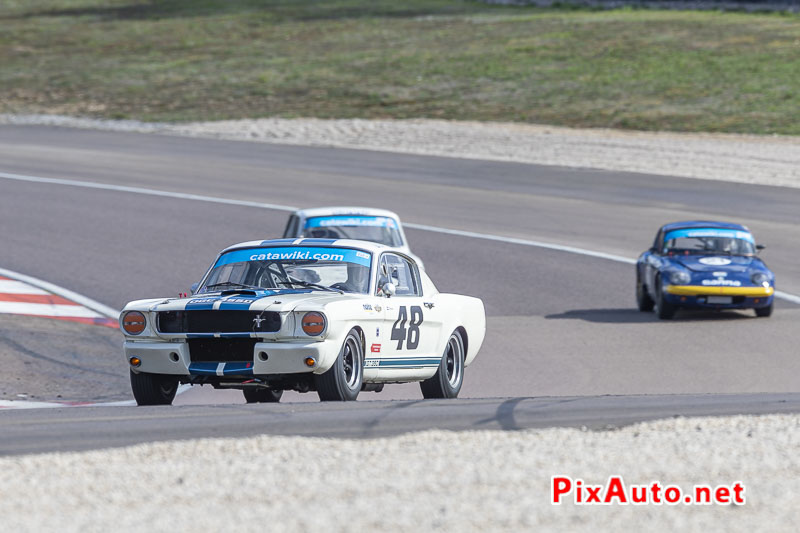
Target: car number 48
{"type": "Point", "coordinates": [408, 334]}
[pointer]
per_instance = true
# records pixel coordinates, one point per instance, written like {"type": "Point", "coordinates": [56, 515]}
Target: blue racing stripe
{"type": "Point", "coordinates": [236, 301]}
{"type": "Point", "coordinates": [201, 304]}
{"type": "Point", "coordinates": [239, 302]}
{"type": "Point", "coordinates": [203, 368]}
{"type": "Point", "coordinates": [230, 369]}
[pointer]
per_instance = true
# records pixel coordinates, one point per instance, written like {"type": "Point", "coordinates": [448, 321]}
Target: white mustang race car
{"type": "Point", "coordinates": [334, 316]}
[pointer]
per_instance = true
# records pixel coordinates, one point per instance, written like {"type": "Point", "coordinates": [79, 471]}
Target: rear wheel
{"type": "Point", "coordinates": [664, 309]}
{"type": "Point", "coordinates": [643, 300]}
{"type": "Point", "coordinates": [262, 395]}
{"type": "Point", "coordinates": [446, 383]}
{"type": "Point", "coordinates": [763, 312]}
{"type": "Point", "coordinates": [342, 382]}
{"type": "Point", "coordinates": [153, 389]}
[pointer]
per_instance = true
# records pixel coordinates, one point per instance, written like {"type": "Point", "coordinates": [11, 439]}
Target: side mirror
{"type": "Point", "coordinates": [193, 289]}
{"type": "Point", "coordinates": [759, 247]}
{"type": "Point", "coordinates": [388, 289]}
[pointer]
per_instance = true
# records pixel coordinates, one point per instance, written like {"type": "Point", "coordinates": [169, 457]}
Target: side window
{"type": "Point", "coordinates": [402, 274]}
{"type": "Point", "coordinates": [291, 227]}
{"type": "Point", "coordinates": [658, 243]}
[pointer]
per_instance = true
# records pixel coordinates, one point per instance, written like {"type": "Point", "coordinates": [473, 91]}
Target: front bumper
{"type": "Point", "coordinates": [267, 359]}
{"type": "Point", "coordinates": [698, 296]}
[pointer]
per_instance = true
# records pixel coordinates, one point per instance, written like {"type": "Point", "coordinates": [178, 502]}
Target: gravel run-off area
{"type": "Point", "coordinates": [765, 160]}
{"type": "Point", "coordinates": [433, 481]}
{"type": "Point", "coordinates": [471, 481]}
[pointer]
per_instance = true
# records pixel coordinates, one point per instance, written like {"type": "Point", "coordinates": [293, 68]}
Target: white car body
{"type": "Point", "coordinates": [280, 357]}
{"type": "Point", "coordinates": [296, 225]}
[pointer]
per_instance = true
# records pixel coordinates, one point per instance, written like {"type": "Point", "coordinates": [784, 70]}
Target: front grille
{"type": "Point", "coordinates": [210, 321]}
{"type": "Point", "coordinates": [221, 350]}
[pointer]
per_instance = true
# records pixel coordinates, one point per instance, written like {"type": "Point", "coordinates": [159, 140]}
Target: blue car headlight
{"type": "Point", "coordinates": [759, 278]}
{"type": "Point", "coordinates": [679, 277]}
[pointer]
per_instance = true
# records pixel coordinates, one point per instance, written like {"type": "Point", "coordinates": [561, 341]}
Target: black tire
{"type": "Point", "coordinates": [153, 389]}
{"type": "Point", "coordinates": [763, 312]}
{"type": "Point", "coordinates": [447, 381]}
{"type": "Point", "coordinates": [664, 310]}
{"type": "Point", "coordinates": [262, 395]}
{"type": "Point", "coordinates": [643, 299]}
{"type": "Point", "coordinates": [342, 382]}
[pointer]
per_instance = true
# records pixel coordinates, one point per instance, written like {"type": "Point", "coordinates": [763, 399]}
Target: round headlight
{"type": "Point", "coordinates": [133, 322]}
{"type": "Point", "coordinates": [680, 278]}
{"type": "Point", "coordinates": [313, 323]}
{"type": "Point", "coordinates": [759, 278]}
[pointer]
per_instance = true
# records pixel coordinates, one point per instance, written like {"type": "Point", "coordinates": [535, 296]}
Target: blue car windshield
{"type": "Point", "coordinates": [709, 241]}
{"type": "Point", "coordinates": [315, 268]}
{"type": "Point", "coordinates": [383, 230]}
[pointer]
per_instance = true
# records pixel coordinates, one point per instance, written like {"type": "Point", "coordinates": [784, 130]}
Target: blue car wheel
{"type": "Point", "coordinates": [764, 312]}
{"type": "Point", "coordinates": [643, 299]}
{"type": "Point", "coordinates": [664, 309]}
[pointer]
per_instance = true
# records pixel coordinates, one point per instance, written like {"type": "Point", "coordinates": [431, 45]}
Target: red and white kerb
{"type": "Point", "coordinates": [19, 298]}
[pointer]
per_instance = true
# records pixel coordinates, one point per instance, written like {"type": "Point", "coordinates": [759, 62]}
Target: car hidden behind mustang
{"type": "Point", "coordinates": [702, 264]}
{"type": "Point", "coordinates": [331, 316]}
{"type": "Point", "coordinates": [362, 223]}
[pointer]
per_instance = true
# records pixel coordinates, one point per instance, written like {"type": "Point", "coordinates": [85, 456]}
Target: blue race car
{"type": "Point", "coordinates": [701, 264]}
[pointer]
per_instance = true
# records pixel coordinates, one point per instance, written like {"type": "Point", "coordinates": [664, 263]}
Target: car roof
{"type": "Point", "coordinates": [372, 247]}
{"type": "Point", "coordinates": [344, 210]}
{"type": "Point", "coordinates": [703, 224]}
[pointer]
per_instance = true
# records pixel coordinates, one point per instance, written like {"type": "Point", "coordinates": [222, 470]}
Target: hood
{"type": "Point", "coordinates": [715, 263]}
{"type": "Point", "coordinates": [274, 300]}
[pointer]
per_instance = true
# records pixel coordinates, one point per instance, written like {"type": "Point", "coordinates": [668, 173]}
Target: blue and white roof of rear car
{"type": "Point", "coordinates": [703, 224]}
{"type": "Point", "coordinates": [344, 210]}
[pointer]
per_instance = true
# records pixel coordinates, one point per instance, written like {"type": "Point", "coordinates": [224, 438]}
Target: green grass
{"type": "Point", "coordinates": [178, 60]}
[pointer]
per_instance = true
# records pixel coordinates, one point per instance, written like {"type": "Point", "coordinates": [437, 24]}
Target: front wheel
{"type": "Point", "coordinates": [446, 383]}
{"type": "Point", "coordinates": [342, 382]}
{"type": "Point", "coordinates": [763, 312]}
{"type": "Point", "coordinates": [643, 300]}
{"type": "Point", "coordinates": [153, 389]}
{"type": "Point", "coordinates": [664, 309]}
{"type": "Point", "coordinates": [262, 395]}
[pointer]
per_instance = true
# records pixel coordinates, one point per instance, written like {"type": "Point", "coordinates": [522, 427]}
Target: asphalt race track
{"type": "Point", "coordinates": [559, 324]}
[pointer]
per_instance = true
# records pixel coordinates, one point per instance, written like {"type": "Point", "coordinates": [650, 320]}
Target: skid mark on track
{"type": "Point", "coordinates": [18, 348]}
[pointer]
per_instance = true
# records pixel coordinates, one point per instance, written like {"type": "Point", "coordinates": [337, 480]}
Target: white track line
{"type": "Point", "coordinates": [788, 297]}
{"type": "Point", "coordinates": [522, 242]}
{"type": "Point", "coordinates": [25, 404]}
{"type": "Point", "coordinates": [434, 229]}
{"type": "Point", "coordinates": [142, 190]}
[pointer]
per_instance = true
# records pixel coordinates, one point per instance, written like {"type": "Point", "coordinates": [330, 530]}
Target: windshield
{"type": "Point", "coordinates": [383, 230]}
{"type": "Point", "coordinates": [709, 241]}
{"type": "Point", "coordinates": [323, 269]}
